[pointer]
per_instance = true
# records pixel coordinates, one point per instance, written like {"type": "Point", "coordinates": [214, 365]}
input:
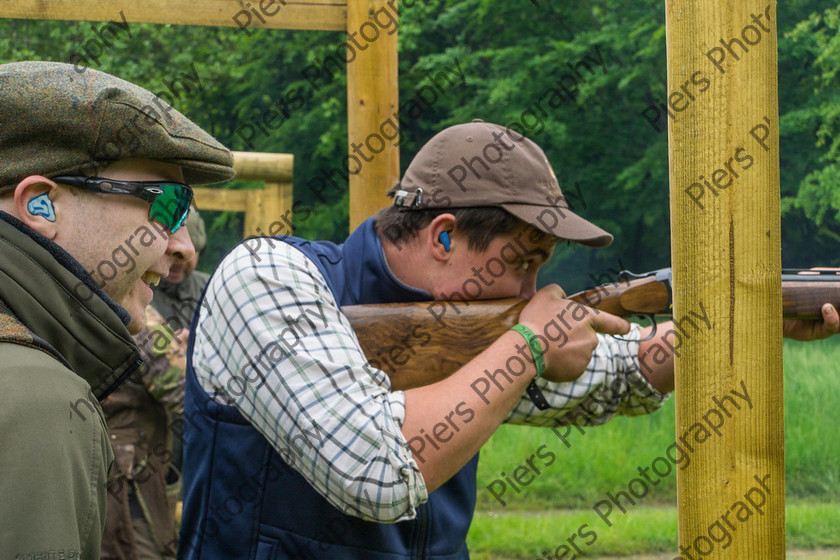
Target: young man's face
{"type": "Point", "coordinates": [507, 268]}
{"type": "Point", "coordinates": [113, 238]}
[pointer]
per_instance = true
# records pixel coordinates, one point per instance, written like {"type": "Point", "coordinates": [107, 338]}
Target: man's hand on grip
{"type": "Point", "coordinates": [570, 329]}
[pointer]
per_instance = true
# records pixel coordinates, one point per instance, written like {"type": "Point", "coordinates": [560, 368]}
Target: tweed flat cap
{"type": "Point", "coordinates": [57, 120]}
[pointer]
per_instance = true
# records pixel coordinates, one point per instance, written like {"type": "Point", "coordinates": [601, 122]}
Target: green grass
{"type": "Point", "coordinates": [643, 530]}
{"type": "Point", "coordinates": [605, 458]}
{"type": "Point", "coordinates": [812, 406]}
{"type": "Point", "coordinates": [602, 459]}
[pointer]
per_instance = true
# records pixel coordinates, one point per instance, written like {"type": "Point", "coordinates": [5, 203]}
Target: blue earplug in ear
{"type": "Point", "coordinates": [41, 205]}
{"type": "Point", "coordinates": [444, 238]}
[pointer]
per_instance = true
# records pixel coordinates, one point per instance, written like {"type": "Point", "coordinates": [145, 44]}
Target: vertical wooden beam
{"type": "Point", "coordinates": [268, 211]}
{"type": "Point", "coordinates": [372, 98]}
{"type": "Point", "coordinates": [255, 223]}
{"type": "Point", "coordinates": [724, 159]}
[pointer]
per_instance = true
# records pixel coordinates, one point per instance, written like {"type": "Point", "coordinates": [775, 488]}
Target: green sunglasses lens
{"type": "Point", "coordinates": [171, 207]}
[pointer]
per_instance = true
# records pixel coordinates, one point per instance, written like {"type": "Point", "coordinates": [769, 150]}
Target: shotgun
{"type": "Point", "coordinates": [420, 343]}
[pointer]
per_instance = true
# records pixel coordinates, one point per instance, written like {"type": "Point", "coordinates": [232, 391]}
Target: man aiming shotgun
{"type": "Point", "coordinates": [297, 446]}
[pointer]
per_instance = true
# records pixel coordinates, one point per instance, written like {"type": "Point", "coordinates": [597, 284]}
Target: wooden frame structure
{"type": "Point", "coordinates": [372, 90]}
{"type": "Point", "coordinates": [263, 207]}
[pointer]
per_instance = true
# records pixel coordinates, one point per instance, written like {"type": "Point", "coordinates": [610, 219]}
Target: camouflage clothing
{"type": "Point", "coordinates": [138, 419]}
{"type": "Point", "coordinates": [165, 356]}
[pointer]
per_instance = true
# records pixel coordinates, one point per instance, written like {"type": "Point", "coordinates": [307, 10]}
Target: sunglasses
{"type": "Point", "coordinates": [170, 201]}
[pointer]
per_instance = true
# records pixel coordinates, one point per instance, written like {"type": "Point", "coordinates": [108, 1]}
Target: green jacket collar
{"type": "Point", "coordinates": [50, 293]}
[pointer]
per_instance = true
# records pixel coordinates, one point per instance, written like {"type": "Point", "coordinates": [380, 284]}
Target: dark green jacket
{"type": "Point", "coordinates": [63, 346]}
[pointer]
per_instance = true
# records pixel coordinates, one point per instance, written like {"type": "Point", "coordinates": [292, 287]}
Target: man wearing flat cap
{"type": "Point", "coordinates": [94, 191]}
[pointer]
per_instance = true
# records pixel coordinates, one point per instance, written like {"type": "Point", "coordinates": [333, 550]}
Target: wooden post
{"type": "Point", "coordinates": [372, 97]}
{"type": "Point", "coordinates": [724, 158]}
{"type": "Point", "coordinates": [267, 211]}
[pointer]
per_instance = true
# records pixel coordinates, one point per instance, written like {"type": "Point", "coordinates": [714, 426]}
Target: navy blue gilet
{"type": "Point", "coordinates": [242, 501]}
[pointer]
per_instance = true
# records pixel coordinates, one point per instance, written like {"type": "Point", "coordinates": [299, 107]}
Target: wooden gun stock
{"type": "Point", "coordinates": [416, 347]}
{"type": "Point", "coordinates": [642, 296]}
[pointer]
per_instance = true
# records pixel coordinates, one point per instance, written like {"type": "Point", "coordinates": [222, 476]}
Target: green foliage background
{"type": "Point", "coordinates": [512, 53]}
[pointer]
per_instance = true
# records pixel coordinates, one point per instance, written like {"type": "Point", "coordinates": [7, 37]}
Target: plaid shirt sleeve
{"type": "Point", "coordinates": [272, 341]}
{"type": "Point", "coordinates": [611, 384]}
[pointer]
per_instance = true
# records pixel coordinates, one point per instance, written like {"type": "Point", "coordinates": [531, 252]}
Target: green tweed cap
{"type": "Point", "coordinates": [57, 119]}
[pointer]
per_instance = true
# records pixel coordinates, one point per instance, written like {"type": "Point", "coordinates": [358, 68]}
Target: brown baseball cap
{"type": "Point", "coordinates": [58, 119]}
{"type": "Point", "coordinates": [484, 164]}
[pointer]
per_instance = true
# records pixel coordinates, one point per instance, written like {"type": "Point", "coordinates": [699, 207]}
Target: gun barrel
{"type": "Point", "coordinates": [803, 299]}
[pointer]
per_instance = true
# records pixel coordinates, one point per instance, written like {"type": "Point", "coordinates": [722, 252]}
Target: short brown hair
{"type": "Point", "coordinates": [479, 224]}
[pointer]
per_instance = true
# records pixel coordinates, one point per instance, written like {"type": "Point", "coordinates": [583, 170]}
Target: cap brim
{"type": "Point", "coordinates": [205, 172]}
{"type": "Point", "coordinates": [562, 223]}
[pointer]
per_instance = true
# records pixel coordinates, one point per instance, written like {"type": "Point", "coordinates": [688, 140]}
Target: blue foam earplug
{"type": "Point", "coordinates": [444, 238]}
{"type": "Point", "coordinates": [41, 205]}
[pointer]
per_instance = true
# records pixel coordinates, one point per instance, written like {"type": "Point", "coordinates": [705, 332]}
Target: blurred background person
{"type": "Point", "coordinates": [143, 489]}
{"type": "Point", "coordinates": [176, 297]}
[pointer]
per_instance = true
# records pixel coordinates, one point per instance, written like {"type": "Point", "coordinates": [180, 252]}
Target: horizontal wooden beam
{"type": "Point", "coordinates": [220, 199]}
{"type": "Point", "coordinates": [268, 209]}
{"type": "Point", "coordinates": [327, 15]}
{"type": "Point", "coordinates": [261, 166]}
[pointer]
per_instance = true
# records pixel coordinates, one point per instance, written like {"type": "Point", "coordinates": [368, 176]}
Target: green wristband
{"type": "Point", "coordinates": [534, 345]}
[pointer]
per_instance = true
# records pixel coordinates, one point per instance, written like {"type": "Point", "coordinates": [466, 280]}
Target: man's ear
{"type": "Point", "coordinates": [439, 238]}
{"type": "Point", "coordinates": [35, 205]}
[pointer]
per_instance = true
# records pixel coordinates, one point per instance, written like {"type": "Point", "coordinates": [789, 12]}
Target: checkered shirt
{"type": "Point", "coordinates": [272, 341]}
